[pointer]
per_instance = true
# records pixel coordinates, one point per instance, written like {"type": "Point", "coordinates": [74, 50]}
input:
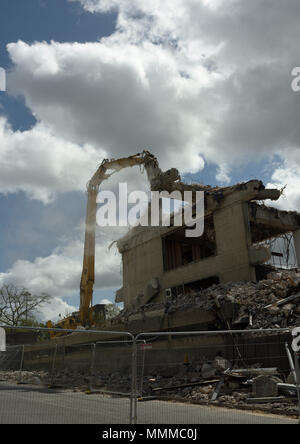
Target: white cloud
{"type": "Point", "coordinates": [106, 302]}
{"type": "Point", "coordinates": [59, 273]}
{"type": "Point", "coordinates": [286, 176]}
{"type": "Point", "coordinates": [223, 174]}
{"type": "Point", "coordinates": [55, 310]}
{"type": "Point", "coordinates": [122, 98]}
{"type": "Point", "coordinates": [190, 80]}
{"type": "Point", "coordinates": [244, 109]}
{"type": "Point", "coordinates": [41, 164]}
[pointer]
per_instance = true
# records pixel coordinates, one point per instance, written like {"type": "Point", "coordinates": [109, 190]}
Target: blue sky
{"type": "Point", "coordinates": [44, 20]}
{"type": "Point", "coordinates": [203, 86]}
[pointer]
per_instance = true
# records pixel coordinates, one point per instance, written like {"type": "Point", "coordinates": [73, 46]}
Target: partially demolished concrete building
{"type": "Point", "coordinates": [219, 281]}
{"type": "Point", "coordinates": [160, 262]}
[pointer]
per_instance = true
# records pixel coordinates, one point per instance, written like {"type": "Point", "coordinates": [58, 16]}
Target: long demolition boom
{"type": "Point", "coordinates": [105, 170]}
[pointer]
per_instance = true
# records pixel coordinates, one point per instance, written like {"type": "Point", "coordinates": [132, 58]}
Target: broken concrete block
{"type": "Point", "coordinates": [232, 385]}
{"type": "Point", "coordinates": [206, 390]}
{"type": "Point", "coordinates": [259, 254]}
{"type": "Point", "coordinates": [208, 371]}
{"type": "Point", "coordinates": [265, 387]}
{"type": "Point", "coordinates": [221, 364]}
{"type": "Point", "coordinates": [294, 281]}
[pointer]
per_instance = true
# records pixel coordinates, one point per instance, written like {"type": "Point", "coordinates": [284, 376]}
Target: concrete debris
{"type": "Point", "coordinates": [249, 388]}
{"type": "Point", "coordinates": [221, 364]}
{"type": "Point", "coordinates": [75, 380]}
{"type": "Point", "coordinates": [235, 394]}
{"type": "Point", "coordinates": [252, 371]}
{"type": "Point", "coordinates": [208, 371]}
{"type": "Point", "coordinates": [188, 384]}
{"type": "Point", "coordinates": [266, 391]}
{"type": "Point", "coordinates": [265, 387]}
{"type": "Point", "coordinates": [285, 301]}
{"type": "Point", "coordinates": [25, 377]}
{"type": "Point", "coordinates": [270, 303]}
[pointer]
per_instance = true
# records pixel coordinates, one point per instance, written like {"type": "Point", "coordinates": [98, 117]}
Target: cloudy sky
{"type": "Point", "coordinates": [203, 84]}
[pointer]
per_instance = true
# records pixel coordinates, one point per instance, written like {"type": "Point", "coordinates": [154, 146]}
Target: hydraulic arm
{"type": "Point", "coordinates": [106, 170]}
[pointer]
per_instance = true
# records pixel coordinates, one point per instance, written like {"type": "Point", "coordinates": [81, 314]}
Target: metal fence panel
{"type": "Point", "coordinates": [153, 378]}
{"type": "Point", "coordinates": [68, 379]}
{"type": "Point", "coordinates": [245, 372]}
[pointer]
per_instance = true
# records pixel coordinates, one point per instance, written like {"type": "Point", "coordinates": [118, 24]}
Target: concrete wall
{"type": "Point", "coordinates": [233, 242]}
{"type": "Point", "coordinates": [232, 262]}
{"type": "Point", "coordinates": [140, 265]}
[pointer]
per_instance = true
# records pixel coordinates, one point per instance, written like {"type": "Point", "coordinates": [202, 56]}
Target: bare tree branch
{"type": "Point", "coordinates": [17, 304]}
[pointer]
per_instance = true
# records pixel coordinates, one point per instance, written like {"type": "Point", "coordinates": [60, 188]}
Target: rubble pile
{"type": "Point", "coordinates": [77, 380]}
{"type": "Point", "coordinates": [270, 303]}
{"type": "Point", "coordinates": [254, 388]}
{"type": "Point", "coordinates": [216, 383]}
{"type": "Point", "coordinates": [14, 377]}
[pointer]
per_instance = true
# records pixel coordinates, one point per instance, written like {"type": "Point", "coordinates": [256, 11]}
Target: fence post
{"type": "Point", "coordinates": [297, 381]}
{"type": "Point", "coordinates": [64, 356]}
{"type": "Point", "coordinates": [143, 368]}
{"type": "Point", "coordinates": [292, 365]}
{"type": "Point", "coordinates": [133, 397]}
{"type": "Point", "coordinates": [93, 359]}
{"type": "Point", "coordinates": [92, 371]}
{"type": "Point", "coordinates": [21, 364]}
{"type": "Point", "coordinates": [53, 365]}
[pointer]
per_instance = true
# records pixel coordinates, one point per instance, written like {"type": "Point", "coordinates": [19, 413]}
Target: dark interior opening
{"type": "Point", "coordinates": [203, 284]}
{"type": "Point", "coordinates": [262, 271]}
{"type": "Point", "coordinates": [179, 250]}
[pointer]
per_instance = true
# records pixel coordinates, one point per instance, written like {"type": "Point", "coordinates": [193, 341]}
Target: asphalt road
{"type": "Point", "coordinates": [31, 405]}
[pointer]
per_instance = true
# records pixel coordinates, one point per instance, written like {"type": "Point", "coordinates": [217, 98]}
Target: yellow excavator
{"type": "Point", "coordinates": [104, 172]}
{"type": "Point", "coordinates": [107, 168]}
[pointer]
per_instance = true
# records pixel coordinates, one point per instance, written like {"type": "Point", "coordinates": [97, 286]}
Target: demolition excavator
{"type": "Point", "coordinates": [104, 172]}
{"type": "Point", "coordinates": [107, 168]}
{"type": "Point", "coordinates": [159, 180]}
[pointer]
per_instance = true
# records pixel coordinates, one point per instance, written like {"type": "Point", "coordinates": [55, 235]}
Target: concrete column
{"type": "Point", "coordinates": [297, 245]}
{"type": "Point", "coordinates": [233, 242]}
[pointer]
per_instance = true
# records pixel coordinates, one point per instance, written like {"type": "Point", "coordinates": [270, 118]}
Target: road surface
{"type": "Point", "coordinates": [21, 404]}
